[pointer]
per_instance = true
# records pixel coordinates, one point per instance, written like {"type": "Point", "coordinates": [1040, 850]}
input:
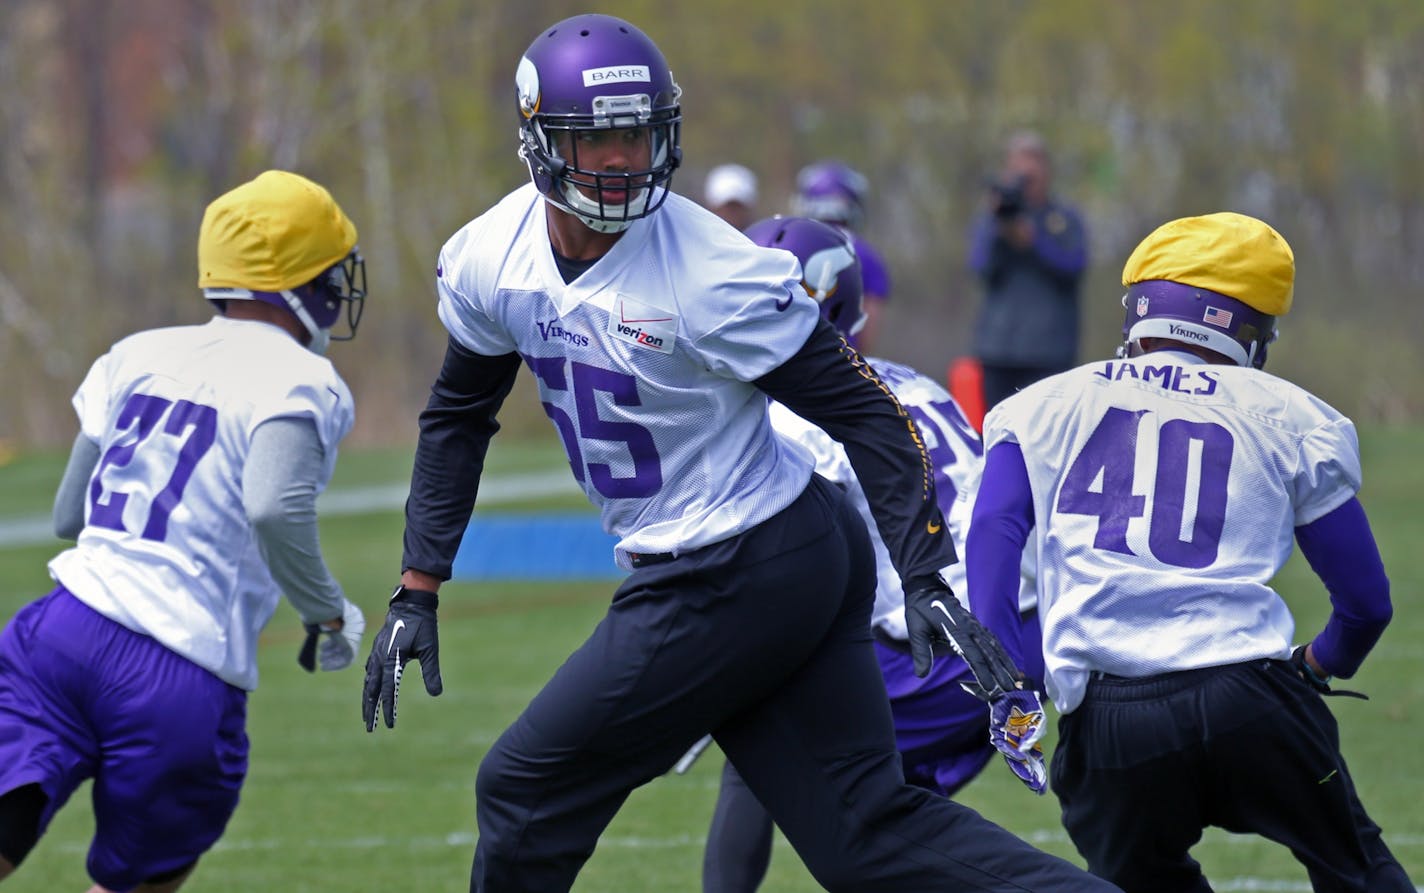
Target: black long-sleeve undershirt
{"type": "Point", "coordinates": [830, 385]}
{"type": "Point", "coordinates": [455, 431]}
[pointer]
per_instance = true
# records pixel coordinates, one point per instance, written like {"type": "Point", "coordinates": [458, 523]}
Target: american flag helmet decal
{"type": "Point", "coordinates": [1217, 317]}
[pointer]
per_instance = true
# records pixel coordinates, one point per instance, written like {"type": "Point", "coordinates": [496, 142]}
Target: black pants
{"type": "Point", "coordinates": [764, 639]}
{"type": "Point", "coordinates": [1142, 766]}
{"type": "Point", "coordinates": [739, 840]}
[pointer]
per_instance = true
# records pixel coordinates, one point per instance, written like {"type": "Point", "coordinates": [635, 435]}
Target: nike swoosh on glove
{"type": "Point", "coordinates": [410, 632]}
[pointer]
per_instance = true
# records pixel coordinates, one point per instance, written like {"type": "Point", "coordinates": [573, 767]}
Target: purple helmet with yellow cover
{"type": "Point", "coordinates": [1217, 281]}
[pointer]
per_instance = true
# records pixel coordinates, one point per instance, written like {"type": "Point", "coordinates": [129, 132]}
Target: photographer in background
{"type": "Point", "coordinates": [1030, 250]}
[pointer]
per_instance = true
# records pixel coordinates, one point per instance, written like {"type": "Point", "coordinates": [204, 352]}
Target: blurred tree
{"type": "Point", "coordinates": [120, 127]}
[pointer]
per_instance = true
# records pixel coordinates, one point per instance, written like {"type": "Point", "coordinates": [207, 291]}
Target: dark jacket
{"type": "Point", "coordinates": [1030, 312]}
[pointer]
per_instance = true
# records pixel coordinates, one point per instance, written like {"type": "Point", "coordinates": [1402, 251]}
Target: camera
{"type": "Point", "coordinates": [1008, 197]}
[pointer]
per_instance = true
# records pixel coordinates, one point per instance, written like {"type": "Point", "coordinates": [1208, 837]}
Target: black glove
{"type": "Point", "coordinates": [934, 615]}
{"type": "Point", "coordinates": [1308, 673]}
{"type": "Point", "coordinates": [1016, 717]}
{"type": "Point", "coordinates": [409, 632]}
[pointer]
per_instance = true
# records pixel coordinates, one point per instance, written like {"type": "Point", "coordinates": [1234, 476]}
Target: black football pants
{"type": "Point", "coordinates": [765, 640]}
{"type": "Point", "coordinates": [1142, 766]}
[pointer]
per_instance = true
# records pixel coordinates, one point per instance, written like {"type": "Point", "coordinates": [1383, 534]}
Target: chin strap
{"type": "Point", "coordinates": [318, 338]}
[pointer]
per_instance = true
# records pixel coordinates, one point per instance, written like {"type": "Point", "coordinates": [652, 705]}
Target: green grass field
{"type": "Point", "coordinates": [328, 807]}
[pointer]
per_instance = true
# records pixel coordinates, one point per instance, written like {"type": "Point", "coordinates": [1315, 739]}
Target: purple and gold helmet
{"type": "Point", "coordinates": [830, 270]}
{"type": "Point", "coordinates": [281, 239]}
{"type": "Point", "coordinates": [590, 74]}
{"type": "Point", "coordinates": [1217, 281]}
{"type": "Point", "coordinates": [831, 192]}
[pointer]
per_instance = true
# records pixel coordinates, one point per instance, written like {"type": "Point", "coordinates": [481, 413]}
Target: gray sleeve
{"type": "Point", "coordinates": [69, 498]}
{"type": "Point", "coordinates": [279, 488]}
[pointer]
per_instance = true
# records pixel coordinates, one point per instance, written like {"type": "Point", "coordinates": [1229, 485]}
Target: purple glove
{"type": "Point", "coordinates": [1015, 727]}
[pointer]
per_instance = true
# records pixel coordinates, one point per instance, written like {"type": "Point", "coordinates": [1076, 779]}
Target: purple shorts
{"type": "Point", "coordinates": [941, 730]}
{"type": "Point", "coordinates": [164, 740]}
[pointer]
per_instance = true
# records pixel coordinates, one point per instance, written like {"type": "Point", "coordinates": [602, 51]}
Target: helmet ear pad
{"type": "Point", "coordinates": [1199, 317]}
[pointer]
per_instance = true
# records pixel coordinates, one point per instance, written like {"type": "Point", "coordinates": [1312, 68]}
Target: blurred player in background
{"type": "Point", "coordinates": [656, 333]}
{"type": "Point", "coordinates": [730, 192]}
{"type": "Point", "coordinates": [835, 193]}
{"type": "Point", "coordinates": [941, 731]}
{"type": "Point", "coordinates": [1164, 491]}
{"type": "Point", "coordinates": [191, 488]}
{"type": "Point", "coordinates": [1029, 249]}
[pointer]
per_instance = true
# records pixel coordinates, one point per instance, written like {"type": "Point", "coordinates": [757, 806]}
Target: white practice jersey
{"type": "Point", "coordinates": [166, 548]}
{"type": "Point", "coordinates": [644, 361]}
{"type": "Point", "coordinates": [958, 457]}
{"type": "Point", "coordinates": [1166, 493]}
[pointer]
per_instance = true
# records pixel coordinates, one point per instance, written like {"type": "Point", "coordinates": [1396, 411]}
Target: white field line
{"type": "Point", "coordinates": [36, 530]}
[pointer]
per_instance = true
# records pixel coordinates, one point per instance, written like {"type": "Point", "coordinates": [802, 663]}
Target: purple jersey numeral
{"type": "Point", "coordinates": [204, 422]}
{"type": "Point", "coordinates": [935, 420]}
{"type": "Point", "coordinates": [138, 419]}
{"type": "Point", "coordinates": [1175, 463]}
{"type": "Point", "coordinates": [1184, 448]}
{"type": "Point", "coordinates": [647, 477]}
{"type": "Point", "coordinates": [1108, 452]}
{"type": "Point", "coordinates": [550, 370]}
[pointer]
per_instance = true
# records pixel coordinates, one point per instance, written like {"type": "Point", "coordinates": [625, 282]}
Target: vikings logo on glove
{"type": "Point", "coordinates": [1014, 731]}
{"type": "Point", "coordinates": [1024, 726]}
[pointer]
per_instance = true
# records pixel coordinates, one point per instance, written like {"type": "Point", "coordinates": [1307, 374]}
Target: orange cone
{"type": "Point", "coordinates": [966, 385]}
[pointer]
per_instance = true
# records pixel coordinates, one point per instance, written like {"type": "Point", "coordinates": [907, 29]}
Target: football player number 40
{"type": "Point", "coordinates": [1188, 491]}
{"type": "Point", "coordinates": [192, 426]}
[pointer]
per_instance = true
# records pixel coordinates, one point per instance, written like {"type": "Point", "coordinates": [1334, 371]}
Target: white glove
{"type": "Point", "coordinates": [338, 646]}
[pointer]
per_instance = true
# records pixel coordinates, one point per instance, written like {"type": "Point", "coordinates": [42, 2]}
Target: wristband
{"type": "Point", "coordinates": [423, 598]}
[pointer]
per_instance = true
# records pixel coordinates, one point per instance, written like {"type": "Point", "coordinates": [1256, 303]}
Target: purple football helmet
{"type": "Point", "coordinates": [1159, 308]}
{"type": "Point", "coordinates": [590, 74]}
{"type": "Point", "coordinates": [832, 192]}
{"type": "Point", "coordinates": [830, 270]}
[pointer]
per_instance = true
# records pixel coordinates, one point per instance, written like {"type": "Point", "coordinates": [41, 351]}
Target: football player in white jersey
{"type": "Point", "coordinates": [941, 730]}
{"type": "Point", "coordinates": [656, 333]}
{"type": "Point", "coordinates": [1163, 490]}
{"type": "Point", "coordinates": [191, 488]}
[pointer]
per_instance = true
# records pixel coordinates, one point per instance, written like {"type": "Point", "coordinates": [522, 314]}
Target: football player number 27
{"type": "Point", "coordinates": [191, 426]}
{"type": "Point", "coordinates": [587, 381]}
{"type": "Point", "coordinates": [1188, 491]}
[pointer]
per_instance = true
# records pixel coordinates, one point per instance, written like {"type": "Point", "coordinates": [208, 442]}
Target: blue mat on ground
{"type": "Point", "coordinates": [536, 547]}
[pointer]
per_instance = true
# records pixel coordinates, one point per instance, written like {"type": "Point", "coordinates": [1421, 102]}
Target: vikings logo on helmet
{"type": "Point", "coordinates": [526, 84]}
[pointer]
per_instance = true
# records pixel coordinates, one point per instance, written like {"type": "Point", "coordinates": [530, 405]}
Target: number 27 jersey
{"type": "Point", "coordinates": [167, 549]}
{"type": "Point", "coordinates": [1166, 492]}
